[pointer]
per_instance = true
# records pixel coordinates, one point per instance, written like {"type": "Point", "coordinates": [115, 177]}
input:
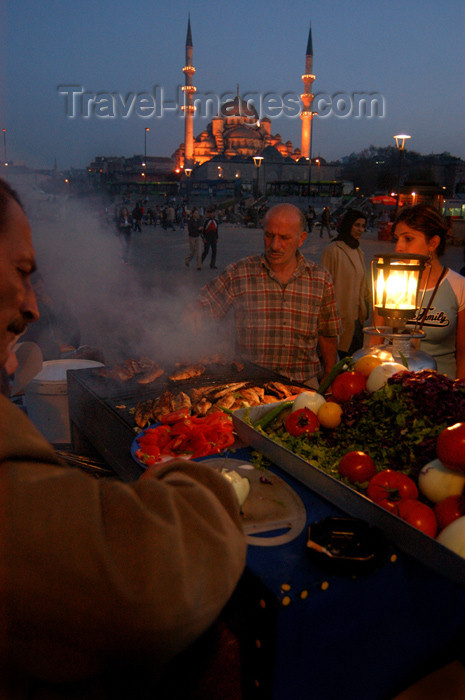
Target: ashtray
{"type": "Point", "coordinates": [346, 545]}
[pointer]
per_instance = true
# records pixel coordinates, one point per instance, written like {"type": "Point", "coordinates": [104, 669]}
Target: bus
{"type": "Point", "coordinates": [299, 188]}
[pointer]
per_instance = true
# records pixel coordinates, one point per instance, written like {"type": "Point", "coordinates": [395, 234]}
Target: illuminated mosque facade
{"type": "Point", "coordinates": [237, 134]}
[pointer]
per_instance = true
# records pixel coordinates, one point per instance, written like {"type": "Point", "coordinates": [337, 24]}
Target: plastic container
{"type": "Point", "coordinates": [46, 398]}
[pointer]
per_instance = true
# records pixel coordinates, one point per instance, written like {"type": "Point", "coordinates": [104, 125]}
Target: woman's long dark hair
{"type": "Point", "coordinates": [427, 220]}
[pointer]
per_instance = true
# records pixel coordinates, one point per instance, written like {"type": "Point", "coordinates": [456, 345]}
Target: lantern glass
{"type": "Point", "coordinates": [396, 286]}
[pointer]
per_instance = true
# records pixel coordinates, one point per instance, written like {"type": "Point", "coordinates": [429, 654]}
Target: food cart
{"type": "Point", "coordinates": [306, 629]}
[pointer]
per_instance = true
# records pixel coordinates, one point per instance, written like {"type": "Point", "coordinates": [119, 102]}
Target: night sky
{"type": "Point", "coordinates": [410, 54]}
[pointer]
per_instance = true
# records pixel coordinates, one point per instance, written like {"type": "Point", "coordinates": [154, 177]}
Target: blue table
{"type": "Point", "coordinates": [309, 633]}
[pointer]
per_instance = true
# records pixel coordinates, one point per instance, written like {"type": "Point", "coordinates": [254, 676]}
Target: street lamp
{"type": "Point", "coordinates": [5, 162]}
{"type": "Point", "coordinates": [257, 162]}
{"type": "Point", "coordinates": [144, 164]}
{"type": "Point", "coordinates": [188, 173]}
{"type": "Point", "coordinates": [314, 114]}
{"type": "Point", "coordinates": [317, 161]}
{"type": "Point", "coordinates": [400, 144]}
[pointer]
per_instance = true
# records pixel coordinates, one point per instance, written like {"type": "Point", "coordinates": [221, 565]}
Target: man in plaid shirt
{"type": "Point", "coordinates": [285, 311]}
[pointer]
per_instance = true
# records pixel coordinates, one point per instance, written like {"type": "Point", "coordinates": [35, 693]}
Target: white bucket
{"type": "Point", "coordinates": [47, 398]}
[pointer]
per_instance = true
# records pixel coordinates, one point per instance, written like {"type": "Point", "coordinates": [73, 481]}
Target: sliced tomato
{"type": "Point", "coordinates": [175, 416]}
{"type": "Point", "coordinates": [150, 457]}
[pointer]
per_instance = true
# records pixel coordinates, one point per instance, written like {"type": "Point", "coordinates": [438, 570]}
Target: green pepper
{"type": "Point", "coordinates": [272, 414]}
{"type": "Point", "coordinates": [339, 367]}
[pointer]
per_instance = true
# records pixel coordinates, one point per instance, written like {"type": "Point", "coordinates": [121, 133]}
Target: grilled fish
{"type": "Point", "coordinates": [188, 372]}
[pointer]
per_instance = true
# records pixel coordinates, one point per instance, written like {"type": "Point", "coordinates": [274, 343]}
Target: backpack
{"type": "Point", "coordinates": [211, 226]}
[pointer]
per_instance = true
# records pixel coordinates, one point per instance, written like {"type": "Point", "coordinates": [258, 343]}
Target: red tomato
{"type": "Point", "coordinates": [347, 384]}
{"type": "Point", "coordinates": [301, 422]}
{"type": "Point", "coordinates": [357, 466]}
{"type": "Point", "coordinates": [175, 416]}
{"type": "Point", "coordinates": [388, 487]}
{"type": "Point", "coordinates": [419, 515]}
{"type": "Point", "coordinates": [449, 509]}
{"type": "Point", "coordinates": [450, 447]}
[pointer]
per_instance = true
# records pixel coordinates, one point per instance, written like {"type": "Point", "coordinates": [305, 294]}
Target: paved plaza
{"type": "Point", "coordinates": [157, 256]}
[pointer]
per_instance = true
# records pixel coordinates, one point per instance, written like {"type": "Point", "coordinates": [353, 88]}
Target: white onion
{"type": "Point", "coordinates": [310, 400]}
{"type": "Point", "coordinates": [240, 484]}
{"type": "Point", "coordinates": [437, 482]}
{"type": "Point", "coordinates": [379, 375]}
{"type": "Point", "coordinates": [453, 536]}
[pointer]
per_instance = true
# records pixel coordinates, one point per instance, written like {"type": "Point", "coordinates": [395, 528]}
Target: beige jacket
{"type": "Point", "coordinates": [100, 577]}
{"type": "Point", "coordinates": [347, 268]}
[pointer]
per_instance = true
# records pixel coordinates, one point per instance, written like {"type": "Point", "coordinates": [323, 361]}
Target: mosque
{"type": "Point", "coordinates": [236, 134]}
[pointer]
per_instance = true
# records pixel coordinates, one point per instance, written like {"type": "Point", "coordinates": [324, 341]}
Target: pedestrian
{"type": "Point", "coordinates": [325, 222]}
{"type": "Point", "coordinates": [310, 217]}
{"type": "Point", "coordinates": [125, 229]}
{"type": "Point", "coordinates": [170, 217]}
{"type": "Point", "coordinates": [194, 228]}
{"type": "Point", "coordinates": [343, 258]}
{"type": "Point", "coordinates": [137, 214]}
{"type": "Point", "coordinates": [210, 237]}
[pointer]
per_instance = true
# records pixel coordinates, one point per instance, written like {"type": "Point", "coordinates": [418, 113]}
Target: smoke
{"type": "Point", "coordinates": [125, 310]}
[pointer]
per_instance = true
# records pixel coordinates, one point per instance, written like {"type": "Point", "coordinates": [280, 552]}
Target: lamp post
{"type": "Point", "coordinates": [5, 162]}
{"type": "Point", "coordinates": [314, 114]}
{"type": "Point", "coordinates": [144, 164]}
{"type": "Point", "coordinates": [188, 173]}
{"type": "Point", "coordinates": [400, 144]}
{"type": "Point", "coordinates": [257, 162]}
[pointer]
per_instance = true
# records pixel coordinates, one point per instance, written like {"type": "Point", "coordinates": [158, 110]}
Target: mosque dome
{"type": "Point", "coordinates": [239, 108]}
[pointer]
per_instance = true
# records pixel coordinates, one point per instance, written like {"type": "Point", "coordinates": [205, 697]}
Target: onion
{"type": "Point", "coordinates": [379, 376]}
{"type": "Point", "coordinates": [310, 400]}
{"type": "Point", "coordinates": [240, 484]}
{"type": "Point", "coordinates": [436, 481]}
{"type": "Point", "coordinates": [453, 536]}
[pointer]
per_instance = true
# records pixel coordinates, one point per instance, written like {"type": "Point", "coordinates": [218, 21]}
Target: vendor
{"type": "Point", "coordinates": [421, 230]}
{"type": "Point", "coordinates": [286, 318]}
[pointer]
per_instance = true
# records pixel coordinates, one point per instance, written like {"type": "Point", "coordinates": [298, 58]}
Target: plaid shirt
{"type": "Point", "coordinates": [277, 325]}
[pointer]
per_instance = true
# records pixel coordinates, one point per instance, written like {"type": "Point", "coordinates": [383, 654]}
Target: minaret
{"type": "Point", "coordinates": [188, 106]}
{"type": "Point", "coordinates": [307, 99]}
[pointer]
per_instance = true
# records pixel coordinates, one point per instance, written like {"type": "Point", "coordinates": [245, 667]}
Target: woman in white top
{"type": "Point", "coordinates": [421, 230]}
{"type": "Point", "coordinates": [343, 258]}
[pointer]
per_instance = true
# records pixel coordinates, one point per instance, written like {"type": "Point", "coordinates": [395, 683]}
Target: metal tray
{"type": "Point", "coordinates": [407, 538]}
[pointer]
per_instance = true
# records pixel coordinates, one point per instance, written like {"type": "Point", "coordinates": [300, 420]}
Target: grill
{"type": "Point", "coordinates": [100, 408]}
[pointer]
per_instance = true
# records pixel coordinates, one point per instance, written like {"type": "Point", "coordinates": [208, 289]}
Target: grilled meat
{"type": "Point", "coordinates": [283, 391]}
{"type": "Point", "coordinates": [226, 389]}
{"type": "Point", "coordinates": [202, 407]}
{"type": "Point", "coordinates": [253, 395]}
{"type": "Point", "coordinates": [143, 414]}
{"type": "Point", "coordinates": [238, 366]}
{"type": "Point", "coordinates": [187, 372]}
{"type": "Point", "coordinates": [226, 401]}
{"type": "Point", "coordinates": [213, 398]}
{"type": "Point", "coordinates": [150, 375]}
{"type": "Point", "coordinates": [181, 400]}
